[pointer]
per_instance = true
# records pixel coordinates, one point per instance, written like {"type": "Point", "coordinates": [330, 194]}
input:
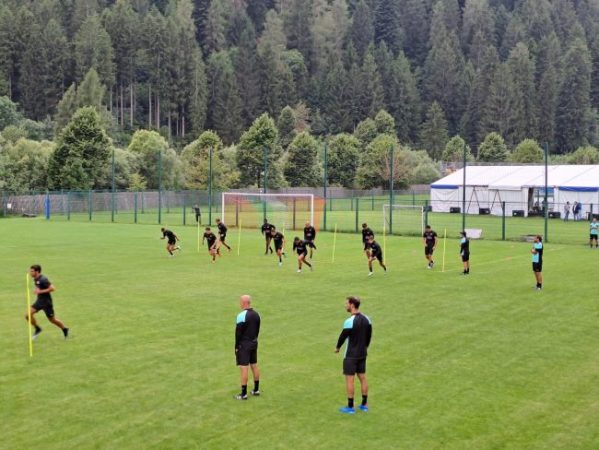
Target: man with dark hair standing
{"type": "Point", "coordinates": [222, 233]}
{"type": "Point", "coordinates": [375, 252]}
{"type": "Point", "coordinates": [310, 236]}
{"type": "Point", "coordinates": [172, 241]}
{"type": "Point", "coordinates": [594, 233]}
{"type": "Point", "coordinates": [366, 233]}
{"type": "Point", "coordinates": [43, 288]}
{"type": "Point", "coordinates": [537, 261]}
{"type": "Point", "coordinates": [196, 209]}
{"type": "Point", "coordinates": [247, 330]}
{"type": "Point", "coordinates": [266, 230]}
{"type": "Point", "coordinates": [465, 252]}
{"type": "Point", "coordinates": [430, 244]}
{"type": "Point", "coordinates": [358, 331]}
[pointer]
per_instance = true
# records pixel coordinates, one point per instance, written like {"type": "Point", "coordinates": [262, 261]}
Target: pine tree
{"type": "Point", "coordinates": [56, 55]}
{"type": "Point", "coordinates": [93, 49]}
{"type": "Point", "coordinates": [415, 20]}
{"type": "Point", "coordinates": [387, 24]}
{"type": "Point", "coordinates": [454, 150]}
{"type": "Point", "coordinates": [286, 126]}
{"type": "Point", "coordinates": [257, 10]}
{"type": "Point", "coordinates": [362, 28]}
{"type": "Point", "coordinates": [549, 70]}
{"type": "Point", "coordinates": [343, 160]}
{"type": "Point", "coordinates": [32, 81]}
{"type": "Point", "coordinates": [7, 52]}
{"type": "Point", "coordinates": [524, 113]}
{"type": "Point", "coordinates": [493, 149]}
{"type": "Point", "coordinates": [299, 20]}
{"type": "Point", "coordinates": [528, 151]}
{"type": "Point", "coordinates": [498, 108]}
{"type": "Point", "coordinates": [301, 167]}
{"type": "Point", "coordinates": [433, 135]}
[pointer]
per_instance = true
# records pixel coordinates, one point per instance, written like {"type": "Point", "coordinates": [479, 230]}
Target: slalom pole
{"type": "Point", "coordinates": [29, 314]}
{"type": "Point", "coordinates": [444, 245]}
{"type": "Point", "coordinates": [198, 236]}
{"type": "Point", "coordinates": [239, 238]}
{"type": "Point", "coordinates": [334, 243]}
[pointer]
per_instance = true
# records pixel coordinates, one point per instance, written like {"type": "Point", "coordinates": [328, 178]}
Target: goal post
{"type": "Point", "coordinates": [407, 219]}
{"type": "Point", "coordinates": [288, 211]}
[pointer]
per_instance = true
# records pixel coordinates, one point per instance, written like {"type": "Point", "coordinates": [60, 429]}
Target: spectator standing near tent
{"type": "Point", "coordinates": [567, 212]}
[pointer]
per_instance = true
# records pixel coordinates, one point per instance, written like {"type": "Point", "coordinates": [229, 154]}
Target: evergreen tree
{"type": "Point", "coordinates": [415, 20]}
{"type": "Point", "coordinates": [246, 71]}
{"type": "Point", "coordinates": [375, 164]}
{"type": "Point", "coordinates": [433, 136]}
{"type": "Point", "coordinates": [257, 10]}
{"type": "Point", "coordinates": [366, 132]}
{"type": "Point", "coordinates": [527, 151]}
{"type": "Point", "coordinates": [371, 95]}
{"type": "Point", "coordinates": [31, 83]}
{"type": "Point", "coordinates": [385, 124]}
{"type": "Point", "coordinates": [387, 24]}
{"type": "Point", "coordinates": [286, 126]}
{"type": "Point", "coordinates": [93, 49]}
{"type": "Point", "coordinates": [7, 51]}
{"type": "Point", "coordinates": [56, 56]}
{"type": "Point", "coordinates": [498, 108]}
{"type": "Point", "coordinates": [343, 160]}
{"type": "Point", "coordinates": [549, 70]}
{"type": "Point", "coordinates": [523, 113]}
{"type": "Point", "coordinates": [478, 30]}
{"type": "Point", "coordinates": [493, 149]}
{"type": "Point", "coordinates": [454, 150]}
{"type": "Point", "coordinates": [362, 28]}
{"type": "Point", "coordinates": [301, 167]}
{"type": "Point", "coordinates": [299, 20]}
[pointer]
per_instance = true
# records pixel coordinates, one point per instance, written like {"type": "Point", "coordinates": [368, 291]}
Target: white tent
{"type": "Point", "coordinates": [520, 187]}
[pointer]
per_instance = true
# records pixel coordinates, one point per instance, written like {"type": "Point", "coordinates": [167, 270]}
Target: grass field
{"type": "Point", "coordinates": [478, 362]}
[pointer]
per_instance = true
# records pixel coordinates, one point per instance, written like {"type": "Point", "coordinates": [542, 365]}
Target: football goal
{"type": "Point", "coordinates": [407, 219]}
{"type": "Point", "coordinates": [285, 211]}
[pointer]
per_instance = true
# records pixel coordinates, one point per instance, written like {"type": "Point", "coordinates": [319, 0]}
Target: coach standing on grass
{"type": "Point", "coordinates": [43, 288]}
{"type": "Point", "coordinates": [537, 261]}
{"type": "Point", "coordinates": [358, 332]}
{"type": "Point", "coordinates": [246, 346]}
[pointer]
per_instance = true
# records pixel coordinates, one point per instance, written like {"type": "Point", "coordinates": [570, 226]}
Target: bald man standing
{"type": "Point", "coordinates": [246, 346]}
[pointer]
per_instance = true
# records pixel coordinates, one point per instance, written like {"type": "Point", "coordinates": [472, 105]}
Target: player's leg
{"type": "Point", "coordinates": [364, 390]}
{"type": "Point", "coordinates": [370, 265]}
{"type": "Point", "coordinates": [305, 261]}
{"type": "Point", "coordinates": [255, 372]}
{"type": "Point", "coordinates": [382, 264]}
{"type": "Point", "coordinates": [269, 246]}
{"type": "Point", "coordinates": [34, 324]}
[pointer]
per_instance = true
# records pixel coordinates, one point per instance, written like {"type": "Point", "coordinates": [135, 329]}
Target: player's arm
{"type": "Point", "coordinates": [163, 236]}
{"type": "Point", "coordinates": [176, 237]}
{"type": "Point", "coordinates": [203, 239]}
{"type": "Point", "coordinates": [239, 329]}
{"type": "Point", "coordinates": [368, 335]}
{"type": "Point", "coordinates": [342, 337]}
{"type": "Point", "coordinates": [47, 290]}
{"type": "Point", "coordinates": [436, 242]}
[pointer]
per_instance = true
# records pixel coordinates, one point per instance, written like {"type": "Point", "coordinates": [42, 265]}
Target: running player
{"type": "Point", "coordinates": [246, 346]}
{"type": "Point", "coordinates": [366, 232]}
{"type": "Point", "coordinates": [172, 241]}
{"type": "Point", "coordinates": [266, 230]}
{"type": "Point", "coordinates": [310, 236]}
{"type": "Point", "coordinates": [374, 252]}
{"type": "Point", "coordinates": [430, 244]}
{"type": "Point", "coordinates": [358, 331]}
{"type": "Point", "coordinates": [594, 233]}
{"type": "Point", "coordinates": [465, 252]}
{"type": "Point", "coordinates": [302, 251]}
{"type": "Point", "coordinates": [537, 261]}
{"type": "Point", "coordinates": [279, 241]}
{"type": "Point", "coordinates": [211, 240]}
{"type": "Point", "coordinates": [43, 288]}
{"type": "Point", "coordinates": [222, 233]}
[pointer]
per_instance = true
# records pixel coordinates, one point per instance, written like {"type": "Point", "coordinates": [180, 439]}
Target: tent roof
{"type": "Point", "coordinates": [516, 177]}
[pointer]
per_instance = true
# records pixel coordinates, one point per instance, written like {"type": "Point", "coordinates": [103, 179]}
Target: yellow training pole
{"type": "Point", "coordinates": [198, 236]}
{"type": "Point", "coordinates": [29, 314]}
{"type": "Point", "coordinates": [334, 243]}
{"type": "Point", "coordinates": [444, 242]}
{"type": "Point", "coordinates": [239, 238]}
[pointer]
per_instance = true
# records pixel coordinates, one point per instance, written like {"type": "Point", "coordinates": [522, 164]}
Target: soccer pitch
{"type": "Point", "coordinates": [476, 362]}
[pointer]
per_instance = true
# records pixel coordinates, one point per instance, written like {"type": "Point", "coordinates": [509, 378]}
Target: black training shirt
{"type": "Point", "coordinates": [309, 233]}
{"type": "Point", "coordinates": [247, 328]}
{"type": "Point", "coordinates": [222, 229]}
{"type": "Point", "coordinates": [358, 331]}
{"type": "Point", "coordinates": [43, 283]}
{"type": "Point", "coordinates": [366, 232]}
{"type": "Point", "coordinates": [210, 238]}
{"type": "Point", "coordinates": [430, 237]}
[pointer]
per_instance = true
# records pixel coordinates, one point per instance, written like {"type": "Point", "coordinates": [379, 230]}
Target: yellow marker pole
{"type": "Point", "coordinates": [29, 314]}
{"type": "Point", "coordinates": [198, 236]}
{"type": "Point", "coordinates": [239, 238]}
{"type": "Point", "coordinates": [334, 243]}
{"type": "Point", "coordinates": [444, 245]}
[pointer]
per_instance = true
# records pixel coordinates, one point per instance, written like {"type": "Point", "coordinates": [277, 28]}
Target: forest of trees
{"type": "Point", "coordinates": [82, 81]}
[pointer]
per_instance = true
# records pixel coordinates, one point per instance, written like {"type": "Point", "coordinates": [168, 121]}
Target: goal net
{"type": "Point", "coordinates": [285, 211]}
{"type": "Point", "coordinates": [406, 219]}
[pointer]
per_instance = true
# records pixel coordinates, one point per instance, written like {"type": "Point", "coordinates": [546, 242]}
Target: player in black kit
{"type": "Point", "coordinates": [266, 230]}
{"type": "Point", "coordinates": [465, 252]}
{"type": "Point", "coordinates": [310, 236]}
{"type": "Point", "coordinates": [430, 244]}
{"type": "Point", "coordinates": [279, 241]}
{"type": "Point", "coordinates": [43, 288]}
{"type": "Point", "coordinates": [375, 252]}
{"type": "Point", "coordinates": [366, 233]}
{"type": "Point", "coordinates": [172, 241]}
{"type": "Point", "coordinates": [302, 251]}
{"type": "Point", "coordinates": [358, 332]}
{"type": "Point", "coordinates": [210, 238]}
{"type": "Point", "coordinates": [247, 330]}
{"type": "Point", "coordinates": [222, 233]}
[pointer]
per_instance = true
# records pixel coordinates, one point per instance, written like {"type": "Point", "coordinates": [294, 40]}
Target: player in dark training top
{"type": "Point", "coordinates": [266, 230]}
{"type": "Point", "coordinates": [279, 241]}
{"type": "Point", "coordinates": [247, 329]}
{"type": "Point", "coordinates": [310, 236]}
{"type": "Point", "coordinates": [465, 252]}
{"type": "Point", "coordinates": [537, 261]}
{"type": "Point", "coordinates": [430, 244]}
{"type": "Point", "coordinates": [302, 251]}
{"type": "Point", "coordinates": [594, 233]}
{"type": "Point", "coordinates": [211, 240]}
{"type": "Point", "coordinates": [366, 233]}
{"type": "Point", "coordinates": [374, 252]}
{"type": "Point", "coordinates": [43, 288]}
{"type": "Point", "coordinates": [171, 245]}
{"type": "Point", "coordinates": [222, 233]}
{"type": "Point", "coordinates": [358, 332]}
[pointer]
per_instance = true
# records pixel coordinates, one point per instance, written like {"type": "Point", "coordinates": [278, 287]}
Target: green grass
{"type": "Point", "coordinates": [479, 362]}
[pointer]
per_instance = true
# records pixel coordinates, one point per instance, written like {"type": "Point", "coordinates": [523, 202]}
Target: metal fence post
{"type": "Point", "coordinates": [503, 221]}
{"type": "Point", "coordinates": [89, 203]}
{"type": "Point", "coordinates": [357, 212]}
{"type": "Point", "coordinates": [326, 162]}
{"type": "Point", "coordinates": [426, 212]}
{"type": "Point", "coordinates": [68, 205]}
{"type": "Point", "coordinates": [135, 207]}
{"type": "Point", "coordinates": [184, 212]}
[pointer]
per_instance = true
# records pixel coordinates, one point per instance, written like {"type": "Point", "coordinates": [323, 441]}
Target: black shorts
{"type": "Point", "coordinates": [593, 237]}
{"type": "Point", "coordinates": [428, 250]}
{"type": "Point", "coordinates": [44, 305]}
{"type": "Point", "coordinates": [222, 237]}
{"type": "Point", "coordinates": [278, 247]}
{"type": "Point", "coordinates": [366, 246]}
{"type": "Point", "coordinates": [378, 256]}
{"type": "Point", "coordinates": [304, 254]}
{"type": "Point", "coordinates": [465, 257]}
{"type": "Point", "coordinates": [172, 241]}
{"type": "Point", "coordinates": [246, 355]}
{"type": "Point", "coordinates": [537, 267]}
{"type": "Point", "coordinates": [352, 366]}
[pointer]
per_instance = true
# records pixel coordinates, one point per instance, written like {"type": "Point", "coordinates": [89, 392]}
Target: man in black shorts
{"type": "Point", "coordinates": [430, 244]}
{"type": "Point", "coordinates": [465, 252]}
{"type": "Point", "coordinates": [358, 332]}
{"type": "Point", "coordinates": [537, 261]}
{"type": "Point", "coordinates": [302, 251]}
{"type": "Point", "coordinates": [279, 241]}
{"type": "Point", "coordinates": [196, 209]}
{"type": "Point", "coordinates": [247, 330]}
{"type": "Point", "coordinates": [222, 233]}
{"type": "Point", "coordinates": [43, 288]}
{"type": "Point", "coordinates": [310, 236]}
{"type": "Point", "coordinates": [210, 238]}
{"type": "Point", "coordinates": [375, 252]}
{"type": "Point", "coordinates": [266, 230]}
{"type": "Point", "coordinates": [366, 233]}
{"type": "Point", "coordinates": [171, 245]}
